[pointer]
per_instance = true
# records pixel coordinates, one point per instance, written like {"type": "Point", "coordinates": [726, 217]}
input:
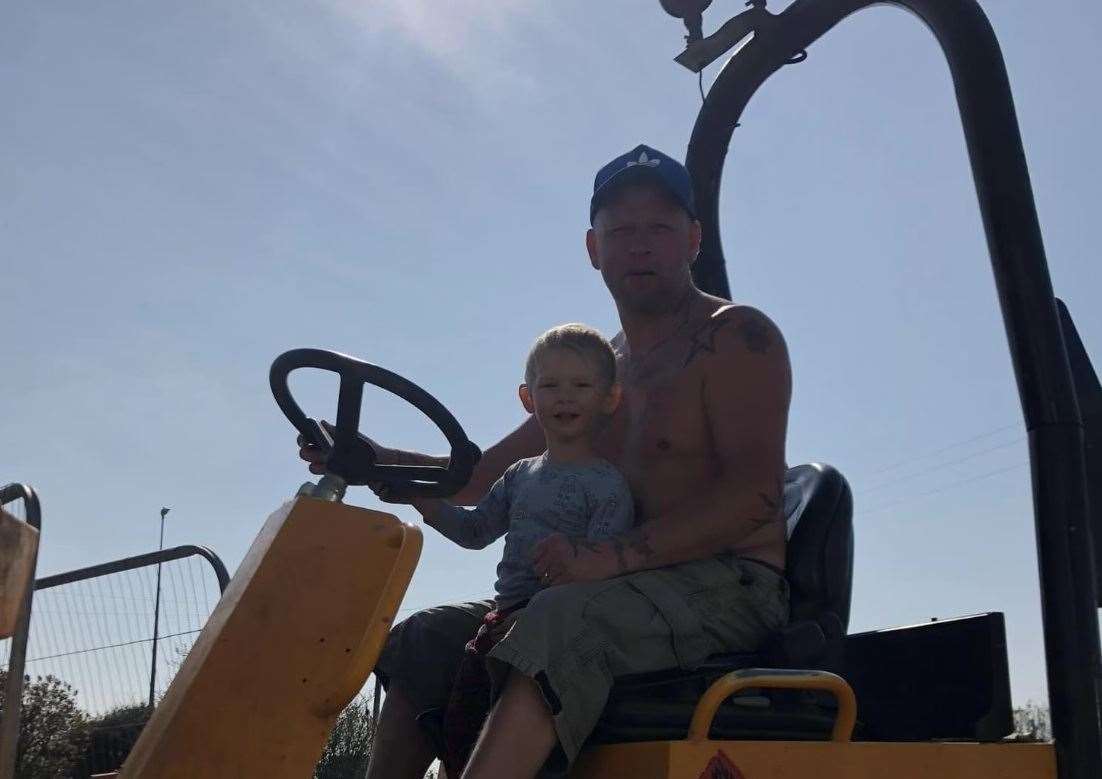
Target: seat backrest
{"type": "Point", "coordinates": [818, 505]}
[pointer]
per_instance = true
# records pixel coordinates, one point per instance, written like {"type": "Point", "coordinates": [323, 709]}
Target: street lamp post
{"type": "Point", "coordinates": [156, 613]}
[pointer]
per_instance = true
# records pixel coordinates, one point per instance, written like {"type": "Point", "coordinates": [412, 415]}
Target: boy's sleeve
{"type": "Point", "coordinates": [615, 512]}
{"type": "Point", "coordinates": [477, 527]}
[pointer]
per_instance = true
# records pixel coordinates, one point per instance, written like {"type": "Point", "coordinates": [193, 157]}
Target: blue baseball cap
{"type": "Point", "coordinates": [645, 163]}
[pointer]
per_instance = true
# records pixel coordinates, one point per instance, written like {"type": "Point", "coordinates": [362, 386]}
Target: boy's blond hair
{"type": "Point", "coordinates": [581, 339]}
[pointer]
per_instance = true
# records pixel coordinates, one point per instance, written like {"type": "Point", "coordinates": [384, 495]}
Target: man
{"type": "Point", "coordinates": [699, 436]}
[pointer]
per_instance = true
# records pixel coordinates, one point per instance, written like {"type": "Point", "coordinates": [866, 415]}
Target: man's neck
{"type": "Point", "coordinates": [645, 331]}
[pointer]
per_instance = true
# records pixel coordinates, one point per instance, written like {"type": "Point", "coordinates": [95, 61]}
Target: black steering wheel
{"type": "Point", "coordinates": [353, 459]}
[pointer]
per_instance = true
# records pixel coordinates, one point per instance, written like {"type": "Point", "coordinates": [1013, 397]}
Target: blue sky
{"type": "Point", "coordinates": [188, 190]}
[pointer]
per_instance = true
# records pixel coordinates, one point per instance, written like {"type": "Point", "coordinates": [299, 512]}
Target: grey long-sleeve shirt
{"type": "Point", "coordinates": [533, 499]}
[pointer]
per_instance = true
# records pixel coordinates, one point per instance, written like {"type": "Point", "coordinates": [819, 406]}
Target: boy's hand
{"type": "Point", "coordinates": [560, 559]}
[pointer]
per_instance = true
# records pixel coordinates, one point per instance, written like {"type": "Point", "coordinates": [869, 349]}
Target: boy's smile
{"type": "Point", "coordinates": [569, 397]}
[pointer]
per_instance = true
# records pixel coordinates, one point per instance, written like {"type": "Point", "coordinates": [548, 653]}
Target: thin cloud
{"type": "Point", "coordinates": [466, 37]}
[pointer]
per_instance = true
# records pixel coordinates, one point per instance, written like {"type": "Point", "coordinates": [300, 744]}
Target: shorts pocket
{"type": "Point", "coordinates": [690, 641]}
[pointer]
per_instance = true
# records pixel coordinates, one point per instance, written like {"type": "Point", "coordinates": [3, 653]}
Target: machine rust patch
{"type": "Point", "coordinates": [721, 767]}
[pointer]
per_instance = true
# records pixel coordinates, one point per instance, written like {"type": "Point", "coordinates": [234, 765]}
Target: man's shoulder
{"type": "Point", "coordinates": [733, 329]}
{"type": "Point", "coordinates": [742, 315]}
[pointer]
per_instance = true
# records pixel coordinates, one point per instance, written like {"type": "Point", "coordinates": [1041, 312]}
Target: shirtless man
{"type": "Point", "coordinates": [700, 437]}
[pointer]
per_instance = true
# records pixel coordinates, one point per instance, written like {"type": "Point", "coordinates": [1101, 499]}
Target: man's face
{"type": "Point", "coordinates": [643, 243]}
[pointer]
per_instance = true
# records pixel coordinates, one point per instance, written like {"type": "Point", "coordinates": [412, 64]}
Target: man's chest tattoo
{"type": "Point", "coordinates": [753, 332]}
{"type": "Point", "coordinates": [703, 339]}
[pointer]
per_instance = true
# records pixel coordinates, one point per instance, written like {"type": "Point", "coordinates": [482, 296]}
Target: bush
{"type": "Point", "coordinates": [52, 730]}
{"type": "Point", "coordinates": [1031, 723]}
{"type": "Point", "coordinates": [123, 716]}
{"type": "Point", "coordinates": [349, 747]}
{"type": "Point", "coordinates": [112, 736]}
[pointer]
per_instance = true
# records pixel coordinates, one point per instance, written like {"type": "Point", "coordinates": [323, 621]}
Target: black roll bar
{"type": "Point", "coordinates": [1048, 398]}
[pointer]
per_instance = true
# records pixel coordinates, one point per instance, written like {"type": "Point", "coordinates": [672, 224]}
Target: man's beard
{"type": "Point", "coordinates": [649, 303]}
{"type": "Point", "coordinates": [659, 300]}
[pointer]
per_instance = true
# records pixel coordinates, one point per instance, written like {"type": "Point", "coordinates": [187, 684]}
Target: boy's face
{"type": "Point", "coordinates": [568, 395]}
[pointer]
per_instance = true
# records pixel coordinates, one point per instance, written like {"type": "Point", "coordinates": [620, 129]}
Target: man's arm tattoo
{"type": "Point", "coordinates": [401, 457]}
{"type": "Point", "coordinates": [578, 543]}
{"type": "Point", "coordinates": [755, 334]}
{"type": "Point", "coordinates": [772, 505]}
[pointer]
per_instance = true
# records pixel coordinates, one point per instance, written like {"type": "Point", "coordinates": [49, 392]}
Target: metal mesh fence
{"type": "Point", "coordinates": [93, 630]}
{"type": "Point", "coordinates": [96, 634]}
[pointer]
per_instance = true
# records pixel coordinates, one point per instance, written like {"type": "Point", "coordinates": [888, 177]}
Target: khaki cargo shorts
{"type": "Point", "coordinates": [576, 638]}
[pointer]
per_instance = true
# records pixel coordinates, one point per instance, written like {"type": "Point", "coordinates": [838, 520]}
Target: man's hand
{"type": "Point", "coordinates": [559, 559]}
{"type": "Point", "coordinates": [316, 458]}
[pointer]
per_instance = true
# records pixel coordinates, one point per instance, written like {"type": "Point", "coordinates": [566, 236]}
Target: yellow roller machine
{"type": "Point", "coordinates": [302, 623]}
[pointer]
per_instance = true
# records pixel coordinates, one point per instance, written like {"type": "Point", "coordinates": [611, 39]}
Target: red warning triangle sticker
{"type": "Point", "coordinates": [721, 767]}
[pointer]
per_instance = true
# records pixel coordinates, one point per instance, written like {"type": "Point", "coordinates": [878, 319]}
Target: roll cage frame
{"type": "Point", "coordinates": [1029, 309]}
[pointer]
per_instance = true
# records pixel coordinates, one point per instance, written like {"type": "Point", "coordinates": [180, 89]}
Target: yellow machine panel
{"type": "Point", "coordinates": [18, 552]}
{"type": "Point", "coordinates": [698, 757]}
{"type": "Point", "coordinates": [703, 759]}
{"type": "Point", "coordinates": [292, 640]}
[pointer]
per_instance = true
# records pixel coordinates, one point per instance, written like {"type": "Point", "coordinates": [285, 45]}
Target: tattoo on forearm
{"type": "Point", "coordinates": [401, 457]}
{"type": "Point", "coordinates": [772, 505]}
{"type": "Point", "coordinates": [578, 543]}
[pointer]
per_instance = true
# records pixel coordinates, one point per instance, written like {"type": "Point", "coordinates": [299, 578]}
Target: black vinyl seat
{"type": "Point", "coordinates": [819, 568]}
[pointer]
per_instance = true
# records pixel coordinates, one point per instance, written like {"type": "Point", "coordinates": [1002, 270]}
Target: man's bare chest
{"type": "Point", "coordinates": [661, 416]}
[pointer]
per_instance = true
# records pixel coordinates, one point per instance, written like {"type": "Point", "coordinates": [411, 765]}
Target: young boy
{"type": "Point", "coordinates": [570, 386]}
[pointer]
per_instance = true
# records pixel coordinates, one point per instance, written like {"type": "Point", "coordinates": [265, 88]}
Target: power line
{"type": "Point", "coordinates": [946, 448]}
{"type": "Point", "coordinates": [885, 506]}
{"type": "Point", "coordinates": [939, 466]}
